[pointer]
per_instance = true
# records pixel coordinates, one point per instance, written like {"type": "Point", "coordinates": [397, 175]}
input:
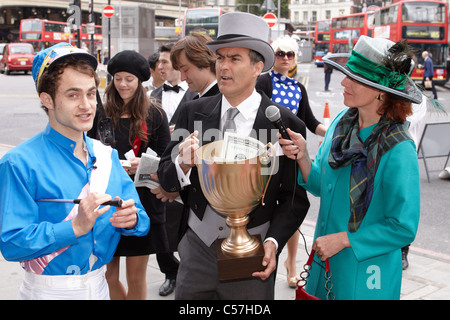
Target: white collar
{"type": "Point", "coordinates": [247, 108]}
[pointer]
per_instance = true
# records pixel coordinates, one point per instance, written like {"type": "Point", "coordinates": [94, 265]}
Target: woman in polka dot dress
{"type": "Point", "coordinates": [288, 92]}
{"type": "Point", "coordinates": [282, 89]}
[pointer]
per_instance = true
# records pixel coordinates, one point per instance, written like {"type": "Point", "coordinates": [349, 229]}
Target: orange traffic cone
{"type": "Point", "coordinates": [326, 115]}
{"type": "Point", "coordinates": [326, 119]}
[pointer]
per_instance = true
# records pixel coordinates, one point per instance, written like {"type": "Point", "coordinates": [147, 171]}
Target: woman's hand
{"type": "Point", "coordinates": [331, 244]}
{"type": "Point", "coordinates": [134, 163]}
{"type": "Point", "coordinates": [295, 149]}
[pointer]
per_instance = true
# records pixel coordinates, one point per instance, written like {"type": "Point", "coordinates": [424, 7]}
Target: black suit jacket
{"type": "Point", "coordinates": [285, 215]}
{"type": "Point", "coordinates": [212, 91]}
{"type": "Point", "coordinates": [194, 96]}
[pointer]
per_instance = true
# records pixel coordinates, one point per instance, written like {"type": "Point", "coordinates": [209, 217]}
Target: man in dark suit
{"type": "Point", "coordinates": [174, 91]}
{"type": "Point", "coordinates": [197, 64]}
{"type": "Point", "coordinates": [243, 53]}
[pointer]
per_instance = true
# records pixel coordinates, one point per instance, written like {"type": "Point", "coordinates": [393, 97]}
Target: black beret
{"type": "Point", "coordinates": [132, 62]}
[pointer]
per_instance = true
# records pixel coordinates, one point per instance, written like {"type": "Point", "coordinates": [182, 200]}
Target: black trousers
{"type": "Point", "coordinates": [432, 86]}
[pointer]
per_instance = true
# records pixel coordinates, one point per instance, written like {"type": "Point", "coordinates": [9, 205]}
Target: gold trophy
{"type": "Point", "coordinates": [234, 189]}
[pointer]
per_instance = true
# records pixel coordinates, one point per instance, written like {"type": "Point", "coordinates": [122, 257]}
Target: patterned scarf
{"type": "Point", "coordinates": [347, 148]}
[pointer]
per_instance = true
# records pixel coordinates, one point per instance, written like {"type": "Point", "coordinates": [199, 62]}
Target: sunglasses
{"type": "Point", "coordinates": [282, 54]}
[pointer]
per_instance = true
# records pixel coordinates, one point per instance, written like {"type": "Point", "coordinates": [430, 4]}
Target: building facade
{"type": "Point", "coordinates": [305, 13]}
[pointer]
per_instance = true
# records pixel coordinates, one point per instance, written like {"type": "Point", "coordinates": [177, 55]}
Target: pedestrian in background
{"type": "Point", "coordinates": [428, 72]}
{"type": "Point", "coordinates": [138, 125]}
{"type": "Point", "coordinates": [327, 70]}
{"type": "Point", "coordinates": [155, 80]}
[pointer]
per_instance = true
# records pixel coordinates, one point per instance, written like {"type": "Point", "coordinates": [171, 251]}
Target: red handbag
{"type": "Point", "coordinates": [301, 293]}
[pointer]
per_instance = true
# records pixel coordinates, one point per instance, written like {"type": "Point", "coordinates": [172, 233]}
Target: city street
{"type": "Point", "coordinates": [428, 276]}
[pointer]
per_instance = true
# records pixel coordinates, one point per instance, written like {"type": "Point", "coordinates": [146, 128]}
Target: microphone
{"type": "Point", "coordinates": [273, 114]}
{"type": "Point", "coordinates": [94, 160]}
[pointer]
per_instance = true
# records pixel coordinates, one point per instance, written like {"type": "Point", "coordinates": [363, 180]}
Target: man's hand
{"type": "Point", "coordinates": [88, 212]}
{"type": "Point", "coordinates": [162, 194]}
{"type": "Point", "coordinates": [125, 216]}
{"type": "Point", "coordinates": [187, 152]}
{"type": "Point", "coordinates": [269, 261]}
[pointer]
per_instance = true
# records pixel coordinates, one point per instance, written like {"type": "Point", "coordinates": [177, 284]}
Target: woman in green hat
{"type": "Point", "coordinates": [366, 175]}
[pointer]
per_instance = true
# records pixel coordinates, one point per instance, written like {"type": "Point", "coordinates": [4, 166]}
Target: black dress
{"type": "Point", "coordinates": [156, 241]}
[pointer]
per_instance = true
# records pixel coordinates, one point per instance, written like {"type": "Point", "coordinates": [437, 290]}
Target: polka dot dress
{"type": "Point", "coordinates": [286, 91]}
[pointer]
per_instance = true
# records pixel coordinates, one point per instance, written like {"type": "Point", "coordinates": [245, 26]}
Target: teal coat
{"type": "Point", "coordinates": [371, 268]}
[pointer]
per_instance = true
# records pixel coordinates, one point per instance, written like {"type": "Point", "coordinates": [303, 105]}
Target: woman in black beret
{"type": "Point", "coordinates": [138, 125]}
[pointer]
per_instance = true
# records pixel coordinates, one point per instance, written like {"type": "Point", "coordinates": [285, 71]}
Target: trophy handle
{"type": "Point", "coordinates": [274, 154]}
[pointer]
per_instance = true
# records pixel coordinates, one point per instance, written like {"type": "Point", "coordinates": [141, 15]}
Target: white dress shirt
{"type": "Point", "coordinates": [171, 99]}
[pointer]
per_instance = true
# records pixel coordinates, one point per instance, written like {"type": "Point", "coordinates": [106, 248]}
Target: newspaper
{"type": "Point", "coordinates": [148, 164]}
{"type": "Point", "coordinates": [238, 147]}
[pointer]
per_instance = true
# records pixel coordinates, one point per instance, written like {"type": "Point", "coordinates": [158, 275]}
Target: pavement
{"type": "Point", "coordinates": [427, 278]}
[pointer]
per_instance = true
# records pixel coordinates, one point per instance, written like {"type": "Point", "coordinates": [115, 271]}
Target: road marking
{"type": "Point", "coordinates": [325, 94]}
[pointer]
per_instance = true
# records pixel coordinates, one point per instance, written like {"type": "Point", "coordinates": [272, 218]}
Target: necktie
{"type": "Point", "coordinates": [166, 87]}
{"type": "Point", "coordinates": [229, 124]}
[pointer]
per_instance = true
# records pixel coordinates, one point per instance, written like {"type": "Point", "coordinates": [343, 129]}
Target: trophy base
{"type": "Point", "coordinates": [237, 268]}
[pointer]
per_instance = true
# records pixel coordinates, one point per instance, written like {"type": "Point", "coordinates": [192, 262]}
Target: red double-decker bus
{"type": "Point", "coordinates": [44, 33]}
{"type": "Point", "coordinates": [346, 30]}
{"type": "Point", "coordinates": [425, 25]}
{"type": "Point", "coordinates": [97, 35]}
{"type": "Point", "coordinates": [321, 40]}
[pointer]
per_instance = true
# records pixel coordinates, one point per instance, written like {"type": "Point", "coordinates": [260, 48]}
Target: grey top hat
{"type": "Point", "coordinates": [244, 30]}
{"type": "Point", "coordinates": [365, 65]}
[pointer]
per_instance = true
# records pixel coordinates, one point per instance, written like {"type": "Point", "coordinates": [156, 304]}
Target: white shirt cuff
{"type": "Point", "coordinates": [273, 240]}
{"type": "Point", "coordinates": [182, 178]}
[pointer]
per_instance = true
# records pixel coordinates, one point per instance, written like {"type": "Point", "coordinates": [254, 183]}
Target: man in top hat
{"type": "Point", "coordinates": [242, 54]}
{"type": "Point", "coordinates": [64, 247]}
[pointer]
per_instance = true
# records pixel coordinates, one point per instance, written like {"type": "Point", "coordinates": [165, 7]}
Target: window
{"type": "Point", "coordinates": [296, 17]}
{"type": "Point", "coordinates": [423, 12]}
